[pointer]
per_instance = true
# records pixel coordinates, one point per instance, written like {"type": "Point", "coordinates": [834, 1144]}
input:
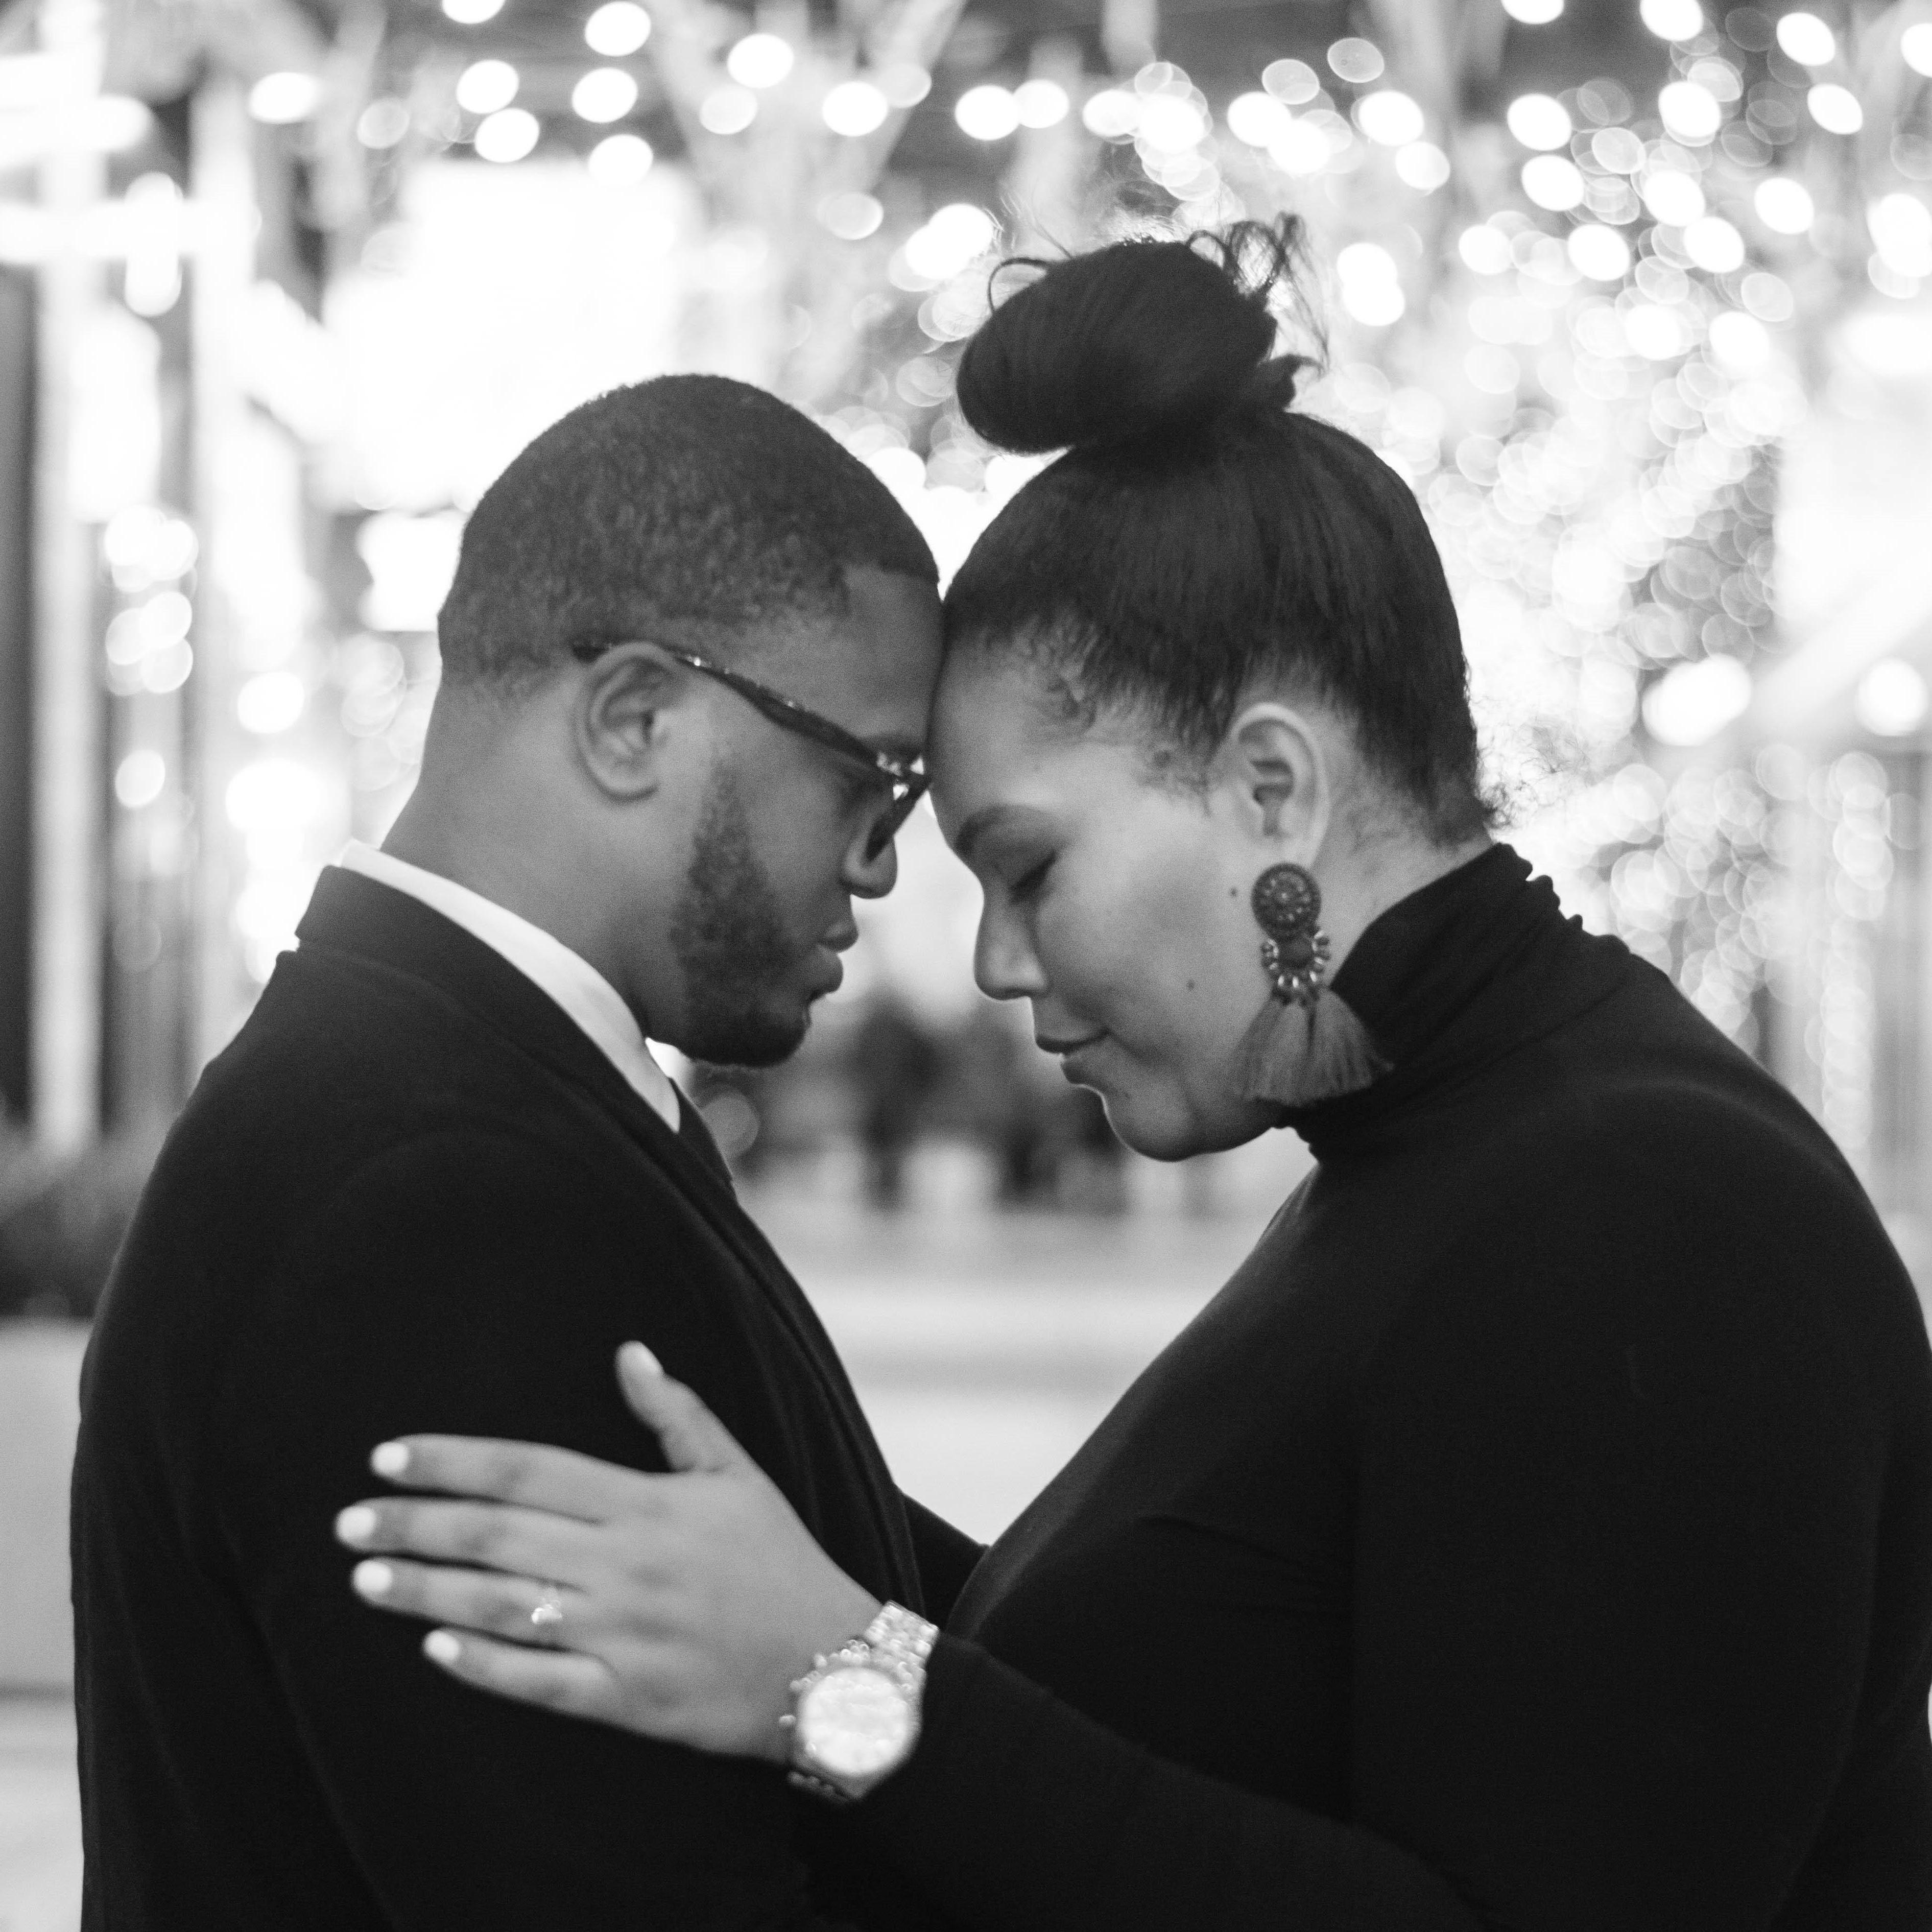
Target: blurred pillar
{"type": "Point", "coordinates": [222, 187]}
{"type": "Point", "coordinates": [17, 684]}
{"type": "Point", "coordinates": [67, 779]}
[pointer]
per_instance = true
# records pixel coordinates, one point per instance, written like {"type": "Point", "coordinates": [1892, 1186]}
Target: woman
{"type": "Point", "coordinates": [1537, 1530]}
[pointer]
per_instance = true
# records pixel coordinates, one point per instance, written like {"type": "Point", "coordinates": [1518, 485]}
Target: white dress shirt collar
{"type": "Point", "coordinates": [568, 977]}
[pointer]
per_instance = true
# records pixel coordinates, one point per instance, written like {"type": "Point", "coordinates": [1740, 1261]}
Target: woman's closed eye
{"type": "Point", "coordinates": [1028, 885]}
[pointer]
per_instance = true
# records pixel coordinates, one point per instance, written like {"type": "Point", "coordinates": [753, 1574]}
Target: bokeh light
{"type": "Point", "coordinates": [617, 29]}
{"type": "Point", "coordinates": [620, 160]}
{"type": "Point", "coordinates": [604, 93]}
{"type": "Point", "coordinates": [855, 108]}
{"type": "Point", "coordinates": [508, 135]}
{"type": "Point", "coordinates": [485, 85]}
{"type": "Point", "coordinates": [760, 60]}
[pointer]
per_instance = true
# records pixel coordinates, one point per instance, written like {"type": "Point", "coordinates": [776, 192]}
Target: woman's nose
{"type": "Point", "coordinates": [1004, 964]}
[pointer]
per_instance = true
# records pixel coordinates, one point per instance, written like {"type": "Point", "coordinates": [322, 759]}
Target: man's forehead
{"type": "Point", "coordinates": [870, 668]}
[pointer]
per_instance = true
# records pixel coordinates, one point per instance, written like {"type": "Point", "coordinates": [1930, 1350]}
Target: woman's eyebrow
{"type": "Point", "coordinates": [992, 818]}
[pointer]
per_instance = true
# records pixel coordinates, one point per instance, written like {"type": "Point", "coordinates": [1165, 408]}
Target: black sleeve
{"type": "Point", "coordinates": [481, 1285]}
{"type": "Point", "coordinates": [947, 1557]}
{"type": "Point", "coordinates": [1618, 1478]}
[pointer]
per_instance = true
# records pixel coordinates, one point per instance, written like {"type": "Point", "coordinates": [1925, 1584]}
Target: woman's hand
{"type": "Point", "coordinates": [681, 1606]}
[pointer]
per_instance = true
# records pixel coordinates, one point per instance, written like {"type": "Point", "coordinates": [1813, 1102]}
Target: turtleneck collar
{"type": "Point", "coordinates": [1449, 980]}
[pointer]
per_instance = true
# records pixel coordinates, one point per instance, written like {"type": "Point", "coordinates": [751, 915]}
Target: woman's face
{"type": "Point", "coordinates": [1116, 904]}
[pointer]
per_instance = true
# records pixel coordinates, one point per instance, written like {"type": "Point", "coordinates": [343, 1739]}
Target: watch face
{"type": "Point", "coordinates": [855, 1722]}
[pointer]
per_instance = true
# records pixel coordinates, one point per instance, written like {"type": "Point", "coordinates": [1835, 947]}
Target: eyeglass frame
{"type": "Point", "coordinates": [903, 777]}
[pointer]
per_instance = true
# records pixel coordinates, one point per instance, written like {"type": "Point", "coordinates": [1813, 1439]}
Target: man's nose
{"type": "Point", "coordinates": [869, 874]}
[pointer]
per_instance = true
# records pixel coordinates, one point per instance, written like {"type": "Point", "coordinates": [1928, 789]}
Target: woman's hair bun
{"type": "Point", "coordinates": [1139, 341]}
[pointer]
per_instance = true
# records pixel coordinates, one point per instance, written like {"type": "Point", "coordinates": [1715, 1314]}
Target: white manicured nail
{"type": "Point", "coordinates": [373, 1579]}
{"type": "Point", "coordinates": [389, 1459]}
{"type": "Point", "coordinates": [443, 1647]}
{"type": "Point", "coordinates": [637, 1356]}
{"type": "Point", "coordinates": [356, 1525]}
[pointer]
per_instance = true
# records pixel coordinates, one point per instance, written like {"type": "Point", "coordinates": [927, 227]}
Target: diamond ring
{"type": "Point", "coordinates": [547, 1619]}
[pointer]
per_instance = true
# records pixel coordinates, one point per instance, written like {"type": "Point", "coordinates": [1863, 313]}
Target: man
{"type": "Point", "coordinates": [438, 1178]}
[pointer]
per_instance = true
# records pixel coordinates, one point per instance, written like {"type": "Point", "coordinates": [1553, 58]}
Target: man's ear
{"type": "Point", "coordinates": [620, 716]}
{"type": "Point", "coordinates": [1273, 764]}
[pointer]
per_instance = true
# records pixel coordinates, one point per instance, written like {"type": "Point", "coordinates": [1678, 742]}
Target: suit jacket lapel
{"type": "Point", "coordinates": [355, 914]}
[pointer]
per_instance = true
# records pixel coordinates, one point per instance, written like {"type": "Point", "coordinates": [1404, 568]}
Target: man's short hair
{"type": "Point", "coordinates": [686, 503]}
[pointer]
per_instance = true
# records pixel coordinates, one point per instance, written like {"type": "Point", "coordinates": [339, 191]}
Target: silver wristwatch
{"type": "Point", "coordinates": [854, 1716]}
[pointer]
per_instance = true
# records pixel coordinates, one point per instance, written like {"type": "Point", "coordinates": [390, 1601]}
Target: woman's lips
{"type": "Point", "coordinates": [1064, 1048]}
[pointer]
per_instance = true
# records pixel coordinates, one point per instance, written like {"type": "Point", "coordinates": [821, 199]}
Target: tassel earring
{"type": "Point", "coordinates": [1305, 1045]}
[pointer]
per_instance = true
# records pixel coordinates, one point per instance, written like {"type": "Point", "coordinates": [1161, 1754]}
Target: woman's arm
{"type": "Point", "coordinates": [691, 1602]}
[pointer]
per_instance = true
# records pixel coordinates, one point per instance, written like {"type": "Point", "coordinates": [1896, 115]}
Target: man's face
{"type": "Point", "coordinates": [779, 848]}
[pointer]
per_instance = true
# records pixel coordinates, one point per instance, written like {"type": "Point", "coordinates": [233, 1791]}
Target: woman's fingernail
{"type": "Point", "coordinates": [443, 1647]}
{"type": "Point", "coordinates": [389, 1459]}
{"type": "Point", "coordinates": [637, 1357]}
{"type": "Point", "coordinates": [356, 1524]}
{"type": "Point", "coordinates": [373, 1579]}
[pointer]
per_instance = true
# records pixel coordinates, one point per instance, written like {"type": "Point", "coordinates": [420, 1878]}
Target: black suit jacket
{"type": "Point", "coordinates": [413, 1196]}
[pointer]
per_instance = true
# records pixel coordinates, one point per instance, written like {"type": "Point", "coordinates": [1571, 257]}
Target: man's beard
{"type": "Point", "coordinates": [728, 936]}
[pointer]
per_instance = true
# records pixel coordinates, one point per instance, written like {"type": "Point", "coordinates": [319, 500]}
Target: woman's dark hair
{"type": "Point", "coordinates": [1199, 539]}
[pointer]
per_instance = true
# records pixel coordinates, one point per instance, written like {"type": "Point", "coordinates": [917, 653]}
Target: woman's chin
{"type": "Point", "coordinates": [1166, 1126]}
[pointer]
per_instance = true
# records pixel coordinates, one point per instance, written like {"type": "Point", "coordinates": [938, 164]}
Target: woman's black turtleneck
{"type": "Point", "coordinates": [1535, 1533]}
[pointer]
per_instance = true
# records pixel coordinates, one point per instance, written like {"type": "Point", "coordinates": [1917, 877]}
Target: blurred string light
{"type": "Point", "coordinates": [485, 85]}
{"type": "Point", "coordinates": [139, 779]}
{"type": "Point", "coordinates": [1371, 288]}
{"type": "Point", "coordinates": [855, 108]}
{"type": "Point", "coordinates": [507, 136]}
{"type": "Point", "coordinates": [760, 60]}
{"type": "Point", "coordinates": [1835, 109]}
{"type": "Point", "coordinates": [1256, 118]}
{"type": "Point", "coordinates": [1112, 113]}
{"type": "Point", "coordinates": [472, 13]}
{"type": "Point", "coordinates": [617, 29]}
{"type": "Point", "coordinates": [987, 113]}
{"type": "Point", "coordinates": [1807, 40]}
{"type": "Point", "coordinates": [383, 123]}
{"type": "Point", "coordinates": [1915, 46]}
{"type": "Point", "coordinates": [730, 109]}
{"type": "Point", "coordinates": [1552, 182]}
{"type": "Point", "coordinates": [905, 84]}
{"type": "Point", "coordinates": [1690, 111]}
{"type": "Point", "coordinates": [1692, 703]}
{"type": "Point", "coordinates": [604, 93]}
{"type": "Point", "coordinates": [1672, 196]}
{"type": "Point", "coordinates": [282, 99]}
{"type": "Point", "coordinates": [620, 160]}
{"type": "Point", "coordinates": [1672, 19]}
{"type": "Point", "coordinates": [1892, 700]}
{"type": "Point", "coordinates": [1357, 60]}
{"type": "Point", "coordinates": [1391, 118]}
{"type": "Point", "coordinates": [1291, 81]}
{"type": "Point", "coordinates": [1422, 165]}
{"type": "Point", "coordinates": [954, 237]}
{"type": "Point", "coordinates": [1538, 121]}
{"type": "Point", "coordinates": [270, 703]}
{"type": "Point", "coordinates": [1534, 12]}
{"type": "Point", "coordinates": [1783, 204]}
{"type": "Point", "coordinates": [852, 215]}
{"type": "Point", "coordinates": [1041, 103]}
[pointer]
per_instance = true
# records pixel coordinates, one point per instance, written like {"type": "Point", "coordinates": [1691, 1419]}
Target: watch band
{"type": "Point", "coordinates": [897, 1642]}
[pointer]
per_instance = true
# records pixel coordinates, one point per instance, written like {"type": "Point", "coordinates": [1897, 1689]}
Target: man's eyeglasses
{"type": "Point", "coordinates": [903, 778]}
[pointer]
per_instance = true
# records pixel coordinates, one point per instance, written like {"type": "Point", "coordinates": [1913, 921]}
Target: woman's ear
{"type": "Point", "coordinates": [1274, 763]}
{"type": "Point", "coordinates": [620, 715]}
